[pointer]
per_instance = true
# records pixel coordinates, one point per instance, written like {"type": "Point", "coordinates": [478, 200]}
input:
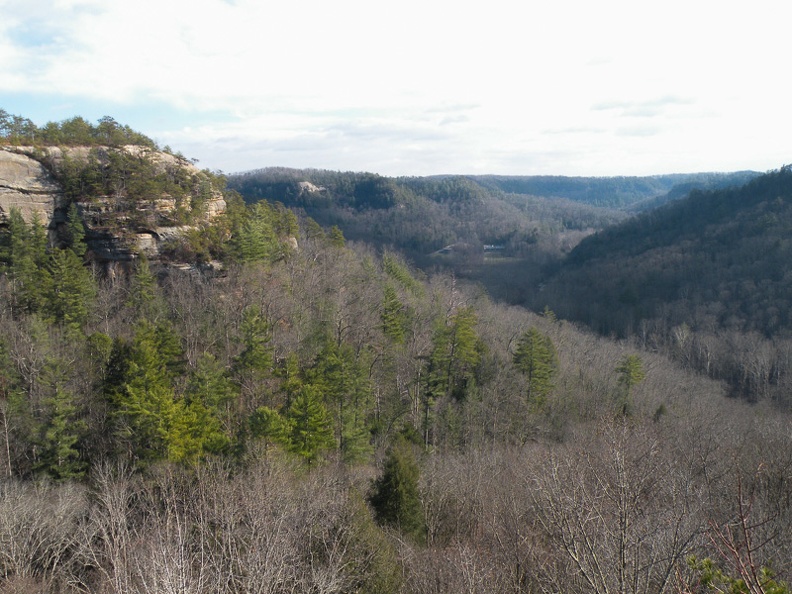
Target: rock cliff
{"type": "Point", "coordinates": [131, 199]}
{"type": "Point", "coordinates": [27, 185]}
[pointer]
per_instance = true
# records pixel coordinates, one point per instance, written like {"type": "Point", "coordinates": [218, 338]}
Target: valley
{"type": "Point", "coordinates": [273, 381]}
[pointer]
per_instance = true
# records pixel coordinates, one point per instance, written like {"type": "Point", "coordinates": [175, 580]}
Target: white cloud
{"type": "Point", "coordinates": [424, 87]}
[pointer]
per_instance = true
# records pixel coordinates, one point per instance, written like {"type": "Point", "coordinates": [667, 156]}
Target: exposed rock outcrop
{"type": "Point", "coordinates": [306, 187]}
{"type": "Point", "coordinates": [27, 185]}
{"type": "Point", "coordinates": [31, 181]}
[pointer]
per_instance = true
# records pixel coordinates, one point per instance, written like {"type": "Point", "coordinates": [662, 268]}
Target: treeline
{"type": "Point", "coordinates": [76, 131]}
{"type": "Point", "coordinates": [612, 192]}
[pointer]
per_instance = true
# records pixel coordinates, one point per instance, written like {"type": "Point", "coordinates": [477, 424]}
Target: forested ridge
{"type": "Point", "coordinates": [417, 216]}
{"type": "Point", "coordinates": [613, 192]}
{"type": "Point", "coordinates": [704, 279]}
{"type": "Point", "coordinates": [314, 414]}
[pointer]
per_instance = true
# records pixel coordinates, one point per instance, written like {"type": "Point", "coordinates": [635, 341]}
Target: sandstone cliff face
{"type": "Point", "coordinates": [29, 182]}
{"type": "Point", "coordinates": [27, 185]}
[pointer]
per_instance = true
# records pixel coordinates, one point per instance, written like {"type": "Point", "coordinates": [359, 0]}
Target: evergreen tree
{"type": "Point", "coordinates": [394, 318]}
{"type": "Point", "coordinates": [536, 358]}
{"type": "Point", "coordinates": [75, 232]}
{"type": "Point", "coordinates": [313, 230]}
{"type": "Point", "coordinates": [336, 237]}
{"type": "Point", "coordinates": [10, 396]}
{"type": "Point", "coordinates": [400, 273]}
{"type": "Point", "coordinates": [456, 352]}
{"type": "Point", "coordinates": [209, 384]}
{"type": "Point", "coordinates": [212, 393]}
{"type": "Point", "coordinates": [257, 356]}
{"type": "Point", "coordinates": [195, 431]}
{"type": "Point", "coordinates": [309, 426]}
{"type": "Point", "coordinates": [151, 422]}
{"type": "Point", "coordinates": [761, 580]}
{"type": "Point", "coordinates": [395, 497]}
{"type": "Point", "coordinates": [253, 236]}
{"type": "Point", "coordinates": [341, 378]}
{"type": "Point", "coordinates": [25, 254]}
{"type": "Point", "coordinates": [62, 430]}
{"type": "Point", "coordinates": [145, 407]}
{"type": "Point", "coordinates": [71, 289]}
{"type": "Point", "coordinates": [253, 366]}
{"type": "Point", "coordinates": [292, 381]}
{"type": "Point", "coordinates": [269, 425]}
{"type": "Point", "coordinates": [143, 290]}
{"type": "Point", "coordinates": [631, 373]}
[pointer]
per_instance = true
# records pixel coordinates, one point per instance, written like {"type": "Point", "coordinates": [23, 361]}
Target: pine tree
{"type": "Point", "coordinates": [143, 293]}
{"type": "Point", "coordinates": [393, 316]}
{"type": "Point", "coordinates": [151, 422]}
{"type": "Point", "coordinates": [211, 392]}
{"type": "Point", "coordinates": [75, 232]}
{"type": "Point", "coordinates": [257, 356]}
{"type": "Point", "coordinates": [400, 273]}
{"type": "Point", "coordinates": [631, 373]}
{"type": "Point", "coordinates": [313, 230]}
{"type": "Point", "coordinates": [71, 289]}
{"type": "Point", "coordinates": [340, 376]}
{"type": "Point", "coordinates": [336, 237]}
{"type": "Point", "coordinates": [253, 367]}
{"type": "Point", "coordinates": [310, 430]}
{"type": "Point", "coordinates": [268, 424]}
{"type": "Point", "coordinates": [456, 352]}
{"type": "Point", "coordinates": [25, 254]}
{"type": "Point", "coordinates": [253, 236]}
{"type": "Point", "coordinates": [536, 358]}
{"type": "Point", "coordinates": [61, 432]}
{"type": "Point", "coordinates": [145, 407]}
{"type": "Point", "coordinates": [395, 497]}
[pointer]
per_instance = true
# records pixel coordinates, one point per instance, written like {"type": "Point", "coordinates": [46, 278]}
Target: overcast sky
{"type": "Point", "coordinates": [417, 87]}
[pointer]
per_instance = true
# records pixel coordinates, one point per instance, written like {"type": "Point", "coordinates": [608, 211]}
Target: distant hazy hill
{"type": "Point", "coordinates": [612, 192]}
{"type": "Point", "coordinates": [715, 260]}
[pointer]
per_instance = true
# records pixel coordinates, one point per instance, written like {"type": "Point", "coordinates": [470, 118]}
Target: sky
{"type": "Point", "coordinates": [417, 87]}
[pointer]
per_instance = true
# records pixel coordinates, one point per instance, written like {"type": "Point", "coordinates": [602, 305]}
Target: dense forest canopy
{"type": "Point", "coordinates": [314, 414]}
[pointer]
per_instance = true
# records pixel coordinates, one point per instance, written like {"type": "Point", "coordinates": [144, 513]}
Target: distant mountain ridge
{"type": "Point", "coordinates": [716, 259]}
{"type": "Point", "coordinates": [360, 189]}
{"type": "Point", "coordinates": [613, 192]}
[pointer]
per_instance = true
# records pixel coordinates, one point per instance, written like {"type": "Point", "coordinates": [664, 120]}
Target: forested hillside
{"type": "Point", "coordinates": [500, 231]}
{"type": "Point", "coordinates": [311, 414]}
{"type": "Point", "coordinates": [449, 223]}
{"type": "Point", "coordinates": [419, 216]}
{"type": "Point", "coordinates": [706, 276]}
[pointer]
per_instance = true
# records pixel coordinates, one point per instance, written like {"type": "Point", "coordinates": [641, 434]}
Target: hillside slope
{"type": "Point", "coordinates": [716, 259]}
{"type": "Point", "coordinates": [705, 279]}
{"type": "Point", "coordinates": [420, 216]}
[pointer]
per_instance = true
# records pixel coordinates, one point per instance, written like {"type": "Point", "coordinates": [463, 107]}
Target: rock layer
{"type": "Point", "coordinates": [27, 185]}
